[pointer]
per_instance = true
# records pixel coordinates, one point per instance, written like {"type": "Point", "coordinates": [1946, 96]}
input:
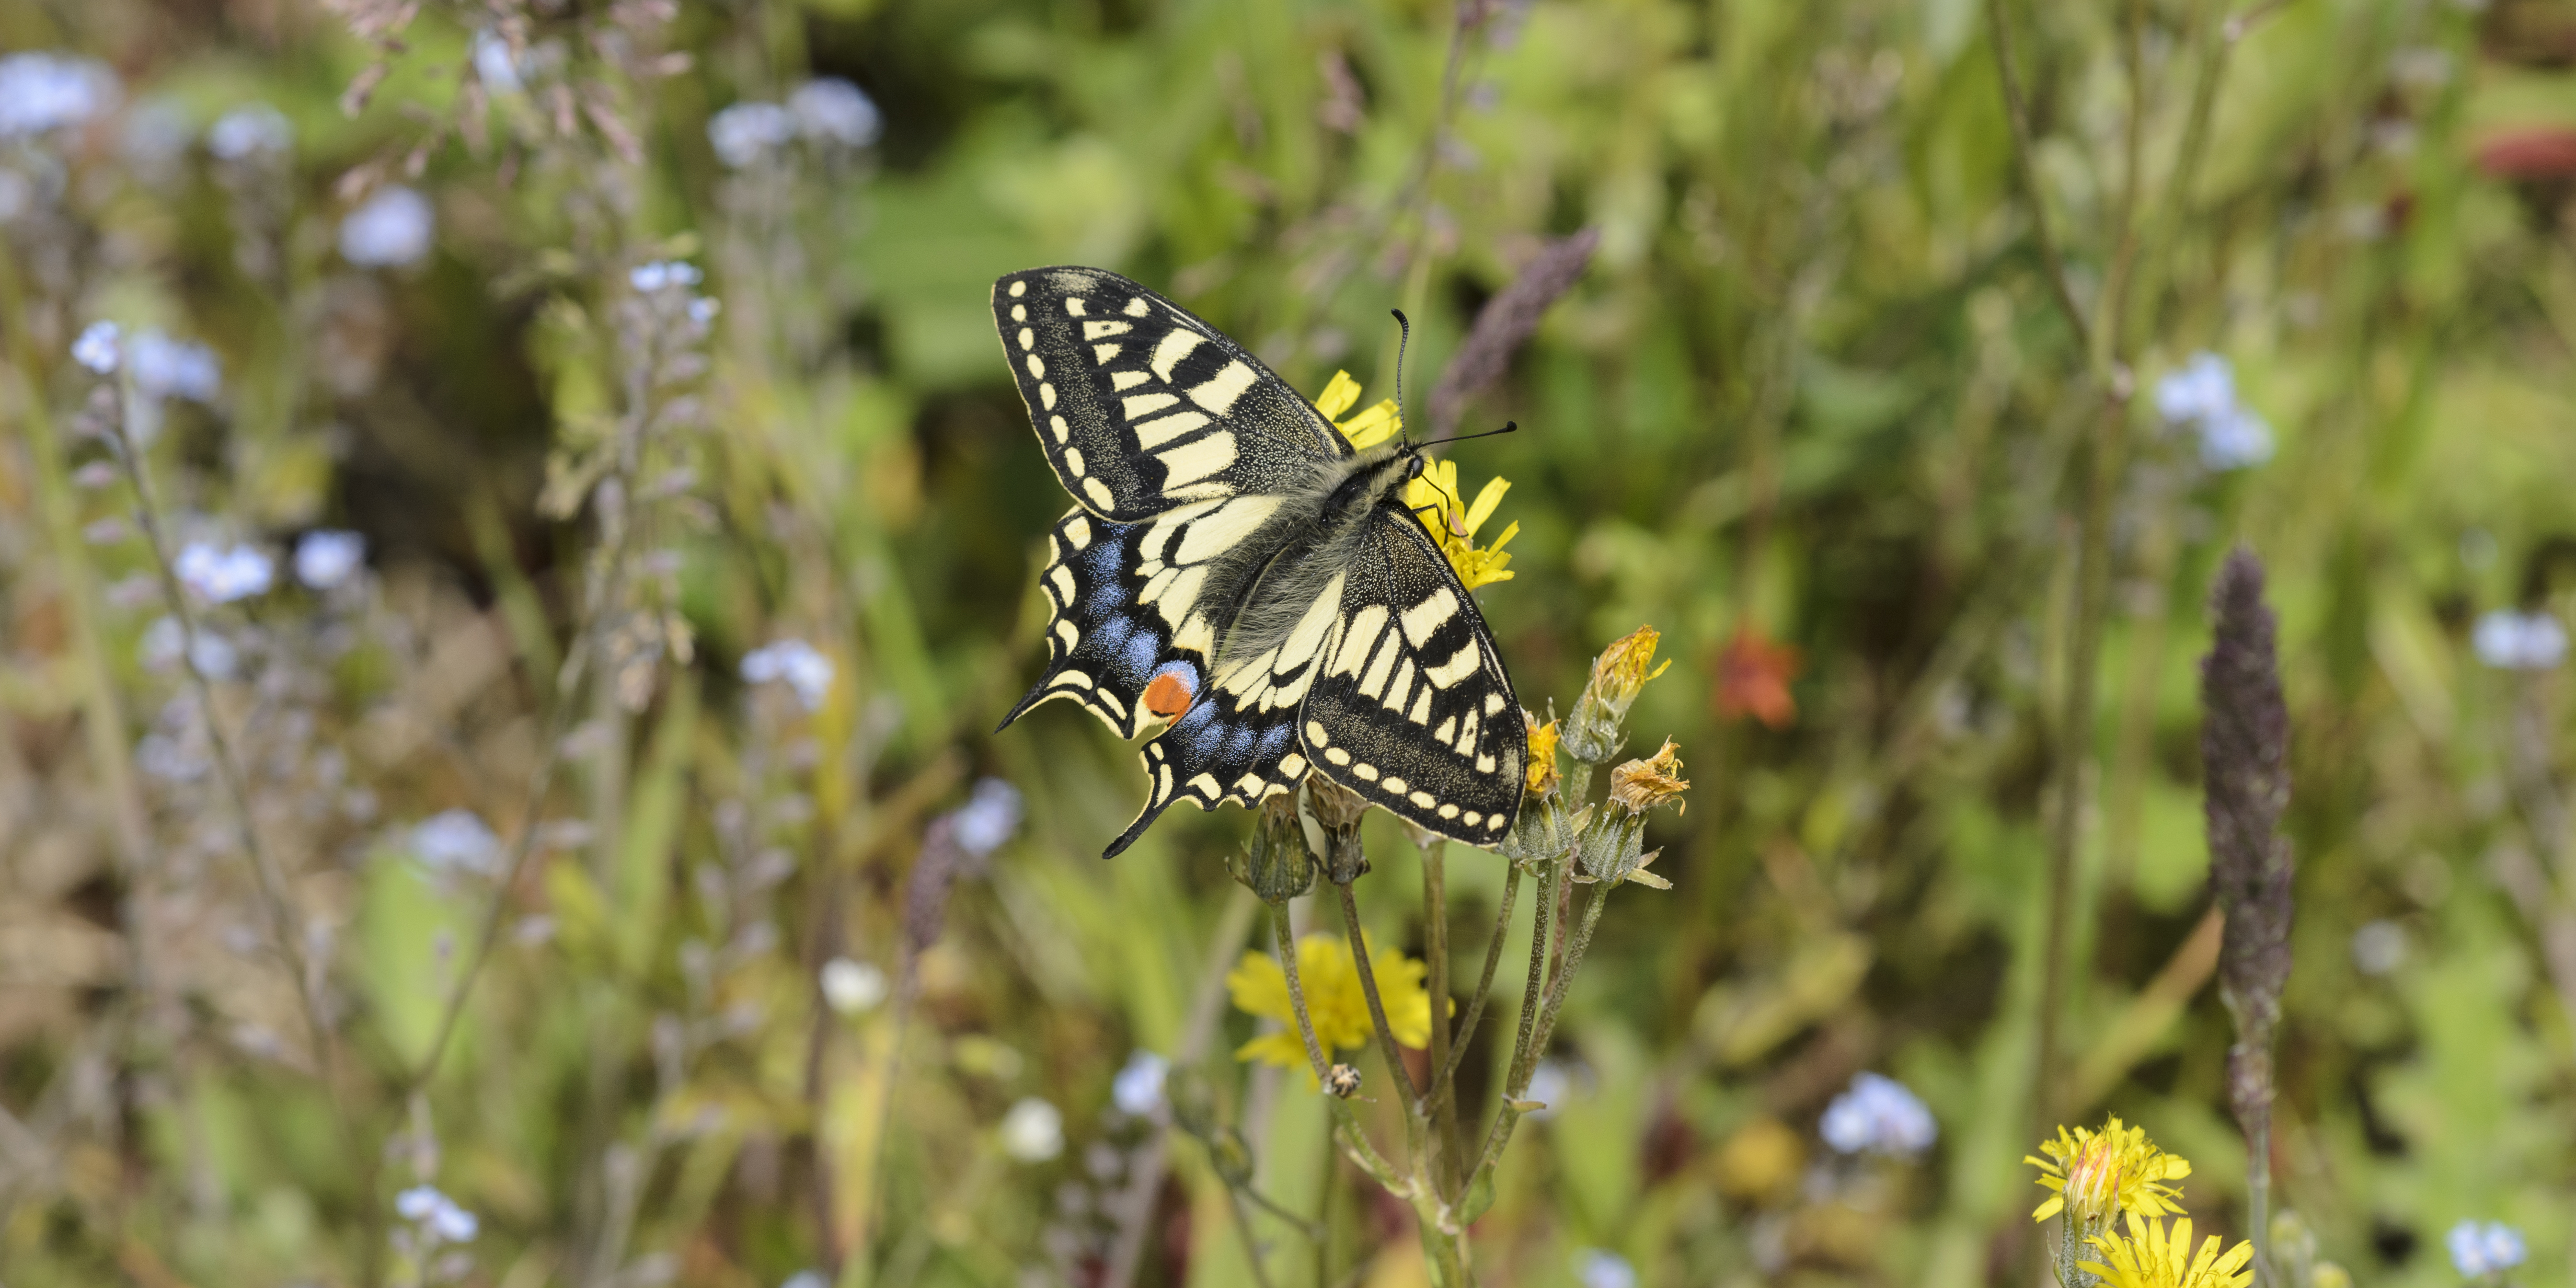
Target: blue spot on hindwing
{"type": "Point", "coordinates": [1137, 655]}
{"type": "Point", "coordinates": [1274, 742]}
{"type": "Point", "coordinates": [1112, 635]}
{"type": "Point", "coordinates": [1199, 728]}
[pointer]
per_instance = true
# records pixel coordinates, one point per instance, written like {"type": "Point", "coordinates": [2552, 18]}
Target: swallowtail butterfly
{"type": "Point", "coordinates": [1234, 571]}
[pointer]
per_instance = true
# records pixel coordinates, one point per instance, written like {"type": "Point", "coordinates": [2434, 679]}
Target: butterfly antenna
{"type": "Point", "coordinates": [1403, 337]}
{"type": "Point", "coordinates": [1508, 427]}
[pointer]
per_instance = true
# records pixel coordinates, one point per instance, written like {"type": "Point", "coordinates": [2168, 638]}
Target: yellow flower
{"type": "Point", "coordinates": [1331, 980]}
{"type": "Point", "coordinates": [1434, 496]}
{"type": "Point", "coordinates": [1380, 422]}
{"type": "Point", "coordinates": [2099, 1174]}
{"type": "Point", "coordinates": [1620, 672]}
{"type": "Point", "coordinates": [2151, 1255]}
{"type": "Point", "coordinates": [1542, 755]}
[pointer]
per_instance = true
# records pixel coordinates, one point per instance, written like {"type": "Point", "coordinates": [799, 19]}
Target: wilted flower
{"type": "Point", "coordinates": [2202, 396]}
{"type": "Point", "coordinates": [2152, 1255]}
{"type": "Point", "coordinates": [1138, 1088]}
{"type": "Point", "coordinates": [96, 348]}
{"type": "Point", "coordinates": [1601, 1268]}
{"type": "Point", "coordinates": [852, 988]}
{"type": "Point", "coordinates": [437, 1214]}
{"type": "Point", "coordinates": [2481, 1249]}
{"type": "Point", "coordinates": [1033, 1131]}
{"type": "Point", "coordinates": [214, 656]}
{"type": "Point", "coordinates": [1878, 1115]}
{"type": "Point", "coordinates": [831, 110]}
{"type": "Point", "coordinates": [167, 368]}
{"type": "Point", "coordinates": [1641, 785]}
{"type": "Point", "coordinates": [1329, 977]}
{"type": "Point", "coordinates": [391, 229]}
{"type": "Point", "coordinates": [796, 663]}
{"type": "Point", "coordinates": [221, 576]}
{"type": "Point", "coordinates": [456, 840]}
{"type": "Point", "coordinates": [2511, 641]}
{"type": "Point", "coordinates": [42, 91]}
{"type": "Point", "coordinates": [988, 818]}
{"type": "Point", "coordinates": [2099, 1174]}
{"type": "Point", "coordinates": [325, 558]}
{"type": "Point", "coordinates": [745, 132]}
{"type": "Point", "coordinates": [248, 130]}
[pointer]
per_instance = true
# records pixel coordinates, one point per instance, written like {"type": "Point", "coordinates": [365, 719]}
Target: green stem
{"type": "Point", "coordinates": [1387, 1045]}
{"type": "Point", "coordinates": [1445, 1086]}
{"type": "Point", "coordinates": [1296, 989]}
{"type": "Point", "coordinates": [1440, 1110]}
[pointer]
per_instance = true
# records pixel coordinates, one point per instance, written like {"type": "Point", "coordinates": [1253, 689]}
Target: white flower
{"type": "Point", "coordinates": [2202, 396]}
{"type": "Point", "coordinates": [2379, 947]}
{"type": "Point", "coordinates": [325, 558]}
{"type": "Point", "coordinates": [167, 368]}
{"type": "Point", "coordinates": [1878, 1114]}
{"type": "Point", "coordinates": [1138, 1088]}
{"type": "Point", "coordinates": [2511, 641]}
{"type": "Point", "coordinates": [390, 229]}
{"type": "Point", "coordinates": [2479, 1250]}
{"type": "Point", "coordinates": [96, 347]}
{"type": "Point", "coordinates": [214, 655]}
{"type": "Point", "coordinates": [222, 576]}
{"type": "Point", "coordinates": [652, 277]}
{"type": "Point", "coordinates": [1550, 1084]}
{"type": "Point", "coordinates": [1602, 1268]}
{"type": "Point", "coordinates": [745, 132]}
{"type": "Point", "coordinates": [832, 110]}
{"type": "Point", "coordinates": [852, 987]}
{"type": "Point", "coordinates": [807, 672]}
{"type": "Point", "coordinates": [456, 840]}
{"type": "Point", "coordinates": [437, 1214]}
{"type": "Point", "coordinates": [1033, 1131]}
{"type": "Point", "coordinates": [45, 91]}
{"type": "Point", "coordinates": [250, 129]}
{"type": "Point", "coordinates": [493, 63]}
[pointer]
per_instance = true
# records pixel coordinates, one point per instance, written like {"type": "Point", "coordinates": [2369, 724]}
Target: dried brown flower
{"type": "Point", "coordinates": [1641, 785]}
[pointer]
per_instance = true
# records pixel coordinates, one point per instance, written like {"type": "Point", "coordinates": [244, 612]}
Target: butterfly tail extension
{"type": "Point", "coordinates": [1103, 651]}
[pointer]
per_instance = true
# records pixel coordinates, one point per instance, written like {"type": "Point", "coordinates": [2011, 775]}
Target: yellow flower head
{"type": "Point", "coordinates": [1542, 755]}
{"type": "Point", "coordinates": [1331, 980]}
{"type": "Point", "coordinates": [2096, 1175]}
{"type": "Point", "coordinates": [1434, 496]}
{"type": "Point", "coordinates": [1623, 669]}
{"type": "Point", "coordinates": [2150, 1255]}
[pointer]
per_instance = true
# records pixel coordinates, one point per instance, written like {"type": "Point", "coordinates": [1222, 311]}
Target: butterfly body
{"type": "Point", "coordinates": [1236, 571]}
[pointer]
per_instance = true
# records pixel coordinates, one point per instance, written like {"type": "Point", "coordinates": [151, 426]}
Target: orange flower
{"type": "Point", "coordinates": [1753, 675]}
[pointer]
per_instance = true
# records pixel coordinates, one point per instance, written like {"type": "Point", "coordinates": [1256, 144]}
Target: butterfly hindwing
{"type": "Point", "coordinates": [1140, 405]}
{"type": "Point", "coordinates": [1105, 648]}
{"type": "Point", "coordinates": [1413, 709]}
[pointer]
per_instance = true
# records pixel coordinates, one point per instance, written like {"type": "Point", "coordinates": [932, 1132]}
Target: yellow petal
{"type": "Point", "coordinates": [2056, 1203]}
{"type": "Point", "coordinates": [1373, 426]}
{"type": "Point", "coordinates": [1486, 500]}
{"type": "Point", "coordinates": [1340, 394]}
{"type": "Point", "coordinates": [1510, 530]}
{"type": "Point", "coordinates": [1259, 987]}
{"type": "Point", "coordinates": [1285, 1048]}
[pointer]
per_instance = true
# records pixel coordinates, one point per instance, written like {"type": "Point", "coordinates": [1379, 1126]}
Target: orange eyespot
{"type": "Point", "coordinates": [1170, 694]}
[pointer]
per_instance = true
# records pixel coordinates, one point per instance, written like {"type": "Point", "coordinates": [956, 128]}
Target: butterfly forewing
{"type": "Point", "coordinates": [1411, 707]}
{"type": "Point", "coordinates": [1141, 406]}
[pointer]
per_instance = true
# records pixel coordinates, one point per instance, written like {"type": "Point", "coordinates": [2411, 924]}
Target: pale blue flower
{"type": "Point", "coordinates": [326, 558]}
{"type": "Point", "coordinates": [214, 656]}
{"type": "Point", "coordinates": [220, 576]}
{"type": "Point", "coordinates": [437, 1214]}
{"type": "Point", "coordinates": [2479, 1249]}
{"type": "Point", "coordinates": [1138, 1088]}
{"type": "Point", "coordinates": [167, 368]}
{"type": "Point", "coordinates": [40, 92]}
{"type": "Point", "coordinates": [987, 819]}
{"type": "Point", "coordinates": [456, 840]}
{"type": "Point", "coordinates": [745, 132]}
{"type": "Point", "coordinates": [2511, 641]}
{"type": "Point", "coordinates": [494, 65]}
{"type": "Point", "coordinates": [248, 130]}
{"type": "Point", "coordinates": [661, 273]}
{"type": "Point", "coordinates": [2201, 396]}
{"type": "Point", "coordinates": [96, 348]}
{"type": "Point", "coordinates": [1602, 1268]}
{"type": "Point", "coordinates": [794, 663]}
{"type": "Point", "coordinates": [1878, 1115]}
{"type": "Point", "coordinates": [831, 110]}
{"type": "Point", "coordinates": [390, 229]}
{"type": "Point", "coordinates": [1549, 1086]}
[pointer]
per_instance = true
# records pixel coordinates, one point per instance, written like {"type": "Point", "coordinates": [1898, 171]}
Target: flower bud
{"type": "Point", "coordinates": [1592, 733]}
{"type": "Point", "coordinates": [1277, 865]}
{"type": "Point", "coordinates": [1338, 810]}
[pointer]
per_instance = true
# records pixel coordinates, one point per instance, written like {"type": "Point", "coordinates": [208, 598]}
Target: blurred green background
{"type": "Point", "coordinates": [1814, 411]}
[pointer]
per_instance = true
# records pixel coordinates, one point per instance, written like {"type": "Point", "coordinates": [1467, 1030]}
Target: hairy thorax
{"type": "Point", "coordinates": [1300, 550]}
